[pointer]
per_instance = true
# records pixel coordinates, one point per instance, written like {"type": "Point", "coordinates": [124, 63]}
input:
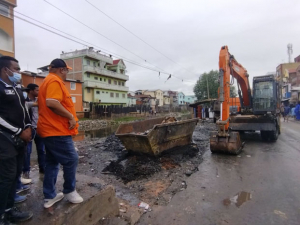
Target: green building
{"type": "Point", "coordinates": [104, 79]}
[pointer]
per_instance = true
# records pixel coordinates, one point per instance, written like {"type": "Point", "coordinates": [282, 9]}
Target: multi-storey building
{"type": "Point", "coordinates": [190, 99]}
{"type": "Point", "coordinates": [158, 94]}
{"type": "Point", "coordinates": [104, 79]}
{"type": "Point", "coordinates": [180, 98]}
{"type": "Point", "coordinates": [7, 34]}
{"type": "Point", "coordinates": [282, 70]}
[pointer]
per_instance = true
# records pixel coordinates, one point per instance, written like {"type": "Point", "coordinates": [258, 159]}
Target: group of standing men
{"type": "Point", "coordinates": [51, 123]}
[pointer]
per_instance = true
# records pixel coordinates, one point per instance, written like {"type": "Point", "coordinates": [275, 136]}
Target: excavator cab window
{"type": "Point", "coordinates": [264, 96]}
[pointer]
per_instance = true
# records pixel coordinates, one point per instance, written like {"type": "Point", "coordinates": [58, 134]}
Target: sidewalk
{"type": "Point", "coordinates": [99, 201]}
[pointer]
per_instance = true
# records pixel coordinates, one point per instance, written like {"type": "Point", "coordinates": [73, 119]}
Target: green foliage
{"type": "Point", "coordinates": [210, 79]}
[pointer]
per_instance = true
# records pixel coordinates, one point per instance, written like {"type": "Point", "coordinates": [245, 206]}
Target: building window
{"type": "Point", "coordinates": [112, 94]}
{"type": "Point", "coordinates": [123, 95]}
{"type": "Point", "coordinates": [102, 91]}
{"type": "Point", "coordinates": [87, 75]}
{"type": "Point", "coordinates": [122, 83]}
{"type": "Point", "coordinates": [88, 62]}
{"type": "Point", "coordinates": [4, 10]}
{"type": "Point", "coordinates": [6, 42]}
{"type": "Point", "coordinates": [109, 81]}
{"type": "Point", "coordinates": [117, 95]}
{"type": "Point", "coordinates": [119, 82]}
{"type": "Point", "coordinates": [98, 64]}
{"type": "Point", "coordinates": [94, 64]}
{"type": "Point", "coordinates": [88, 90]}
{"type": "Point", "coordinates": [98, 92]}
{"type": "Point", "coordinates": [73, 85]}
{"type": "Point", "coordinates": [100, 79]}
{"type": "Point", "coordinates": [107, 92]}
{"type": "Point", "coordinates": [74, 99]}
{"type": "Point", "coordinates": [104, 80]}
{"type": "Point", "coordinates": [96, 78]}
{"type": "Point", "coordinates": [115, 82]}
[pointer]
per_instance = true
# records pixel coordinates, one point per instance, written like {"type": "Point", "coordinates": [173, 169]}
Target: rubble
{"type": "Point", "coordinates": [139, 177]}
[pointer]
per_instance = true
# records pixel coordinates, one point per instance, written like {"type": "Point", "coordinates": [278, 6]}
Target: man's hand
{"type": "Point", "coordinates": [26, 135]}
{"type": "Point", "coordinates": [72, 123]}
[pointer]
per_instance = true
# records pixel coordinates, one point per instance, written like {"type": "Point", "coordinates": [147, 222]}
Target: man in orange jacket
{"type": "Point", "coordinates": [56, 125]}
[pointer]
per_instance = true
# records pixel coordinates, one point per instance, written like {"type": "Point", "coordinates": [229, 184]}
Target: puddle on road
{"type": "Point", "coordinates": [100, 133]}
{"type": "Point", "coordinates": [239, 199]}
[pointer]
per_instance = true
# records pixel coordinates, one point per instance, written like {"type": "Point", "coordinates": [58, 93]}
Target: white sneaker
{"type": "Point", "coordinates": [25, 181]}
{"type": "Point", "coordinates": [50, 202]}
{"type": "Point", "coordinates": [74, 197]}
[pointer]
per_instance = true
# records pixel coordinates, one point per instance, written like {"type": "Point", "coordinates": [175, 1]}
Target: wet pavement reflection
{"type": "Point", "coordinates": [239, 199]}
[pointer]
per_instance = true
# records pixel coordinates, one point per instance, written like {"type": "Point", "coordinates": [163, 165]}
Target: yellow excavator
{"type": "Point", "coordinates": [260, 109]}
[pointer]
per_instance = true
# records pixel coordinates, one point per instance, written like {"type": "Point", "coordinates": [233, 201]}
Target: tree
{"type": "Point", "coordinates": [211, 80]}
{"type": "Point", "coordinates": [233, 93]}
{"type": "Point", "coordinates": [207, 79]}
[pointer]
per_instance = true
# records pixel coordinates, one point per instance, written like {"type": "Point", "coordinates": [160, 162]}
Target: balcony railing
{"type": "Point", "coordinates": [105, 72]}
{"type": "Point", "coordinates": [87, 52]}
{"type": "Point", "coordinates": [97, 84]}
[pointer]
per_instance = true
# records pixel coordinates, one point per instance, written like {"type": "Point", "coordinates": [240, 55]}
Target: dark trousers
{"type": "Point", "coordinates": [59, 150]}
{"type": "Point", "coordinates": [40, 152]}
{"type": "Point", "coordinates": [10, 170]}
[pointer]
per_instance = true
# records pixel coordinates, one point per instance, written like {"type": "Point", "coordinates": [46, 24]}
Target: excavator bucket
{"type": "Point", "coordinates": [230, 144]}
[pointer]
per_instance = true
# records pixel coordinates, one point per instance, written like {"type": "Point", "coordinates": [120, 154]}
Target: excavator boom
{"type": "Point", "coordinates": [223, 140]}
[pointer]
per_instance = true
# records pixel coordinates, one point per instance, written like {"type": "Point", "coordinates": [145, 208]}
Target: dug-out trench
{"type": "Point", "coordinates": [139, 177]}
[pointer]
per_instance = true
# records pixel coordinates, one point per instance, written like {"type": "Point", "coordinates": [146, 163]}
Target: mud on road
{"type": "Point", "coordinates": [141, 177]}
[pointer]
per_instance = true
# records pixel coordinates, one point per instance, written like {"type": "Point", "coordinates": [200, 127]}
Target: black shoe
{"type": "Point", "coordinates": [4, 221]}
{"type": "Point", "coordinates": [15, 215]}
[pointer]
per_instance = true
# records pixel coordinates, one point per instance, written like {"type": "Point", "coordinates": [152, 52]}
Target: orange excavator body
{"type": "Point", "coordinates": [223, 140]}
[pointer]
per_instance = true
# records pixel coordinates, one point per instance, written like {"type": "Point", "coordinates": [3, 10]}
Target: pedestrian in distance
{"type": "Point", "coordinates": [56, 125]}
{"type": "Point", "coordinates": [286, 114]}
{"type": "Point", "coordinates": [15, 133]}
{"type": "Point", "coordinates": [297, 111]}
{"type": "Point", "coordinates": [31, 100]}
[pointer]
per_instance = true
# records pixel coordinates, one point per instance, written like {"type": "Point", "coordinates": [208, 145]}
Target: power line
{"type": "Point", "coordinates": [129, 61]}
{"type": "Point", "coordinates": [136, 35]}
{"type": "Point", "coordinates": [100, 34]}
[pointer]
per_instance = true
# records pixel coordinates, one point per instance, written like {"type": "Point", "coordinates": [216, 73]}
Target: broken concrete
{"type": "Point", "coordinates": [99, 201]}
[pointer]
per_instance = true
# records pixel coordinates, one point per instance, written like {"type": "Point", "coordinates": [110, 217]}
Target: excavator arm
{"type": "Point", "coordinates": [223, 140]}
{"type": "Point", "coordinates": [229, 66]}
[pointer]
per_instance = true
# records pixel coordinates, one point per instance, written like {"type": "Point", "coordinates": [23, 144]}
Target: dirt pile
{"type": "Point", "coordinates": [136, 167]}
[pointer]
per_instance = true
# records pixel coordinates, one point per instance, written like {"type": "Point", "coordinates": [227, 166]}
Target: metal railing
{"type": "Point", "coordinates": [103, 85]}
{"type": "Point", "coordinates": [87, 52]}
{"type": "Point", "coordinates": [98, 70]}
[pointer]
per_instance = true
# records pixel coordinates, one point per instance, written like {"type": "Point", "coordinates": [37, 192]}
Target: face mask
{"type": "Point", "coordinates": [15, 78]}
{"type": "Point", "coordinates": [25, 94]}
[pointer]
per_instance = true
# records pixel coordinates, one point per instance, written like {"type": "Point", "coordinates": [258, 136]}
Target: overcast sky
{"type": "Point", "coordinates": [190, 33]}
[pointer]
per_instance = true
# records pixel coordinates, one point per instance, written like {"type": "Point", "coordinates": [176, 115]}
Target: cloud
{"type": "Point", "coordinates": [189, 32]}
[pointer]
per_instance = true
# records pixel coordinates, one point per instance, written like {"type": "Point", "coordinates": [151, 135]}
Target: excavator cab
{"type": "Point", "coordinates": [265, 95]}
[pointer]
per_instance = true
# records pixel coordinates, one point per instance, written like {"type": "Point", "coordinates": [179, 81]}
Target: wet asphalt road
{"type": "Point", "coordinates": [270, 172]}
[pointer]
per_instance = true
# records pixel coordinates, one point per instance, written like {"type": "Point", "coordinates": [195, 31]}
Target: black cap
{"type": "Point", "coordinates": [32, 87]}
{"type": "Point", "coordinates": [59, 63]}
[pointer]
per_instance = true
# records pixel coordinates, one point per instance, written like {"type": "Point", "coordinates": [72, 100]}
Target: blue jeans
{"type": "Point", "coordinates": [40, 152]}
{"type": "Point", "coordinates": [59, 150]}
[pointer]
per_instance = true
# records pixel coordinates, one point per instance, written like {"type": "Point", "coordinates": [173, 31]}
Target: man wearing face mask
{"type": "Point", "coordinates": [56, 125]}
{"type": "Point", "coordinates": [15, 133]}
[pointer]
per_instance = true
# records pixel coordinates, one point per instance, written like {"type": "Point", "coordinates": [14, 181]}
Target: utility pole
{"type": "Point", "coordinates": [207, 88]}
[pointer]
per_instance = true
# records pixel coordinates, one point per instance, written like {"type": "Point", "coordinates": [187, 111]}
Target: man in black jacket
{"type": "Point", "coordinates": [15, 133]}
